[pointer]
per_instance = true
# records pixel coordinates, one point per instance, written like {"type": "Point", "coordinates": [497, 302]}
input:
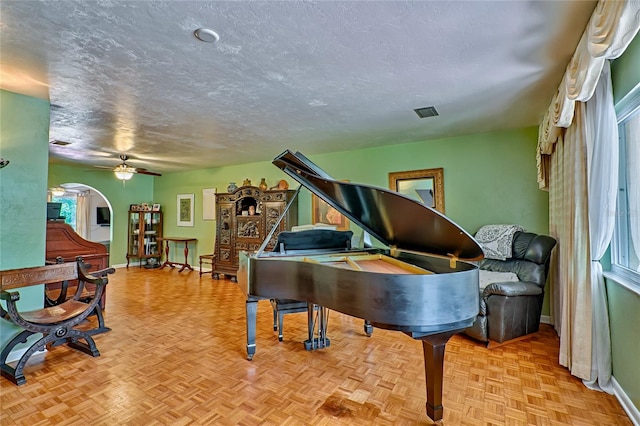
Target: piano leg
{"type": "Point", "coordinates": [252, 310]}
{"type": "Point", "coordinates": [317, 321]}
{"type": "Point", "coordinates": [433, 347]}
{"type": "Point", "coordinates": [368, 328]}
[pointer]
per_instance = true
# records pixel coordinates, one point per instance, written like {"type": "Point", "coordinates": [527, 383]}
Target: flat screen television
{"type": "Point", "coordinates": [53, 211]}
{"type": "Point", "coordinates": [103, 216]}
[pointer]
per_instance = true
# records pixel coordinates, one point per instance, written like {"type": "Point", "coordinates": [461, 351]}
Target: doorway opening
{"type": "Point", "coordinates": [87, 211]}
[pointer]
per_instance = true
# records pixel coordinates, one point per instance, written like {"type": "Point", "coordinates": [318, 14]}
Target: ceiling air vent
{"type": "Point", "coordinates": [426, 112]}
{"type": "Point", "coordinates": [61, 143]}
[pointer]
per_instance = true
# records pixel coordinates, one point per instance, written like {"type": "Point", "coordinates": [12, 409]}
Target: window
{"type": "Point", "coordinates": [68, 210]}
{"type": "Point", "coordinates": [626, 238]}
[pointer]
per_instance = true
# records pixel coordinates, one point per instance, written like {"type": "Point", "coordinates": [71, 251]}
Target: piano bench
{"type": "Point", "coordinates": [57, 324]}
{"type": "Point", "coordinates": [208, 259]}
{"type": "Point", "coordinates": [285, 306]}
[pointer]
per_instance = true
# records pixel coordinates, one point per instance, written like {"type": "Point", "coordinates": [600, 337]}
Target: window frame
{"type": "Point", "coordinates": [625, 109]}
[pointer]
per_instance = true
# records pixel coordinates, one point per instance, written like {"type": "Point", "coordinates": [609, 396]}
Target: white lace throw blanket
{"type": "Point", "coordinates": [496, 240]}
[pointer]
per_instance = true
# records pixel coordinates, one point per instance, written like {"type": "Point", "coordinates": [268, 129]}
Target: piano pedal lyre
{"type": "Point", "coordinates": [318, 320]}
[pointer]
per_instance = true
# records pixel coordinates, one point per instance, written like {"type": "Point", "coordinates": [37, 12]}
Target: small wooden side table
{"type": "Point", "coordinates": [186, 242]}
{"type": "Point", "coordinates": [208, 259]}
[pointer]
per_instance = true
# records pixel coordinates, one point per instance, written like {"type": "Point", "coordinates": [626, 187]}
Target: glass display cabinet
{"type": "Point", "coordinates": [145, 227]}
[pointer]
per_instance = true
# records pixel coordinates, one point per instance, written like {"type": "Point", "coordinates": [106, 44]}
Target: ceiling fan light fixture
{"type": "Point", "coordinates": [57, 191]}
{"type": "Point", "coordinates": [124, 172]}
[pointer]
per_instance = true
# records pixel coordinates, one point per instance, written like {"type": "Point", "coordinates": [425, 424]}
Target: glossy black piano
{"type": "Point", "coordinates": [416, 279]}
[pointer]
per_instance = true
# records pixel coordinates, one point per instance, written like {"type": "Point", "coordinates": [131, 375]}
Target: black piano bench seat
{"type": "Point", "coordinates": [56, 323]}
{"type": "Point", "coordinates": [285, 306]}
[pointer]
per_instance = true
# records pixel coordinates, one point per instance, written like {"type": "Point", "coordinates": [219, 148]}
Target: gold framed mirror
{"type": "Point", "coordinates": [425, 186]}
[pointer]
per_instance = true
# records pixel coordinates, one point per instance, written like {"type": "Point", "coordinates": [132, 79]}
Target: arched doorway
{"type": "Point", "coordinates": [87, 210]}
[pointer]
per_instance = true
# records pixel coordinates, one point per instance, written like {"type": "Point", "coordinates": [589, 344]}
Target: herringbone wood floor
{"type": "Point", "coordinates": [176, 355]}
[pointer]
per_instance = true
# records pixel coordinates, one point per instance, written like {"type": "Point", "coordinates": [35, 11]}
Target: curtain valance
{"type": "Point", "coordinates": [612, 26]}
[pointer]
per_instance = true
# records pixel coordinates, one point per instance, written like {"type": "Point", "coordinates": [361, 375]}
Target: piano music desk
{"type": "Point", "coordinates": [186, 242]}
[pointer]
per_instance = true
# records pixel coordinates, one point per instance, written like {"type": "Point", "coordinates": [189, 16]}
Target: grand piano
{"type": "Point", "coordinates": [418, 281]}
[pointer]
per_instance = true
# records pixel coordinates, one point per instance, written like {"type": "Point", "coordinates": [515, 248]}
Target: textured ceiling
{"type": "Point", "coordinates": [130, 77]}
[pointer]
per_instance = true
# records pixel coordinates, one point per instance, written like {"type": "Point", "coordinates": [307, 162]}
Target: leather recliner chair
{"type": "Point", "coordinates": [512, 309]}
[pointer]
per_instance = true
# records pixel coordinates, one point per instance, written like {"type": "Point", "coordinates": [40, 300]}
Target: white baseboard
{"type": "Point", "coordinates": [631, 410]}
{"type": "Point", "coordinates": [546, 319]}
{"type": "Point", "coordinates": [124, 265]}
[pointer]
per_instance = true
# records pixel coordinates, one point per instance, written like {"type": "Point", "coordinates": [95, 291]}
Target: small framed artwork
{"type": "Point", "coordinates": [156, 208]}
{"type": "Point", "coordinates": [321, 212]}
{"type": "Point", "coordinates": [185, 209]}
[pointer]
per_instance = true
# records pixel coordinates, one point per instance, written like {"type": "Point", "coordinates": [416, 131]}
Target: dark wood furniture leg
{"type": "Point", "coordinates": [186, 265]}
{"type": "Point", "coordinates": [433, 347]}
{"type": "Point", "coordinates": [166, 253]}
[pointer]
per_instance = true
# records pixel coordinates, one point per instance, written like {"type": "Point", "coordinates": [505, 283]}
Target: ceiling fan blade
{"type": "Point", "coordinates": [146, 172]}
{"type": "Point", "coordinates": [103, 167]}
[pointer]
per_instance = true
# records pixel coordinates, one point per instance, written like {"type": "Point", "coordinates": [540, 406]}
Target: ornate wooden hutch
{"type": "Point", "coordinates": [244, 219]}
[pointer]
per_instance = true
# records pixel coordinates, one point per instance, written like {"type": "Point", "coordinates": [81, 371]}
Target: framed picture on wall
{"type": "Point", "coordinates": [425, 186]}
{"type": "Point", "coordinates": [321, 212]}
{"type": "Point", "coordinates": [185, 209]}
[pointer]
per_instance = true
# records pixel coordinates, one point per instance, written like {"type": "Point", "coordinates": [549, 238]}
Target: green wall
{"type": "Point", "coordinates": [624, 320]}
{"type": "Point", "coordinates": [503, 162]}
{"type": "Point", "coordinates": [24, 133]}
{"type": "Point", "coordinates": [168, 187]}
{"type": "Point", "coordinates": [482, 174]}
{"type": "Point", "coordinates": [119, 195]}
{"type": "Point", "coordinates": [625, 71]}
{"type": "Point", "coordinates": [624, 305]}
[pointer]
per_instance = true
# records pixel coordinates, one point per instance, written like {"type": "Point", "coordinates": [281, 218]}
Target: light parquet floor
{"type": "Point", "coordinates": [176, 356]}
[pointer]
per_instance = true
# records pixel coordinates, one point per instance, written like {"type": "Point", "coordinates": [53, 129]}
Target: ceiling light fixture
{"type": "Point", "coordinates": [124, 172]}
{"type": "Point", "coordinates": [57, 191]}
{"type": "Point", "coordinates": [206, 35]}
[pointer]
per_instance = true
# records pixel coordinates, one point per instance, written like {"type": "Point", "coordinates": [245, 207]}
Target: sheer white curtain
{"type": "Point", "coordinates": [602, 169]}
{"type": "Point", "coordinates": [83, 215]}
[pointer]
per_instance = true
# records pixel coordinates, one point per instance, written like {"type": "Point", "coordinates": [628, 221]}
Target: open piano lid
{"type": "Point", "coordinates": [394, 219]}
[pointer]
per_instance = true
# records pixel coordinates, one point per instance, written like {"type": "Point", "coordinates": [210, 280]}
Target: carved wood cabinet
{"type": "Point", "coordinates": [244, 218]}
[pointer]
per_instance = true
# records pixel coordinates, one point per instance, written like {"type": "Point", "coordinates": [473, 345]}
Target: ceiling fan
{"type": "Point", "coordinates": [123, 171]}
